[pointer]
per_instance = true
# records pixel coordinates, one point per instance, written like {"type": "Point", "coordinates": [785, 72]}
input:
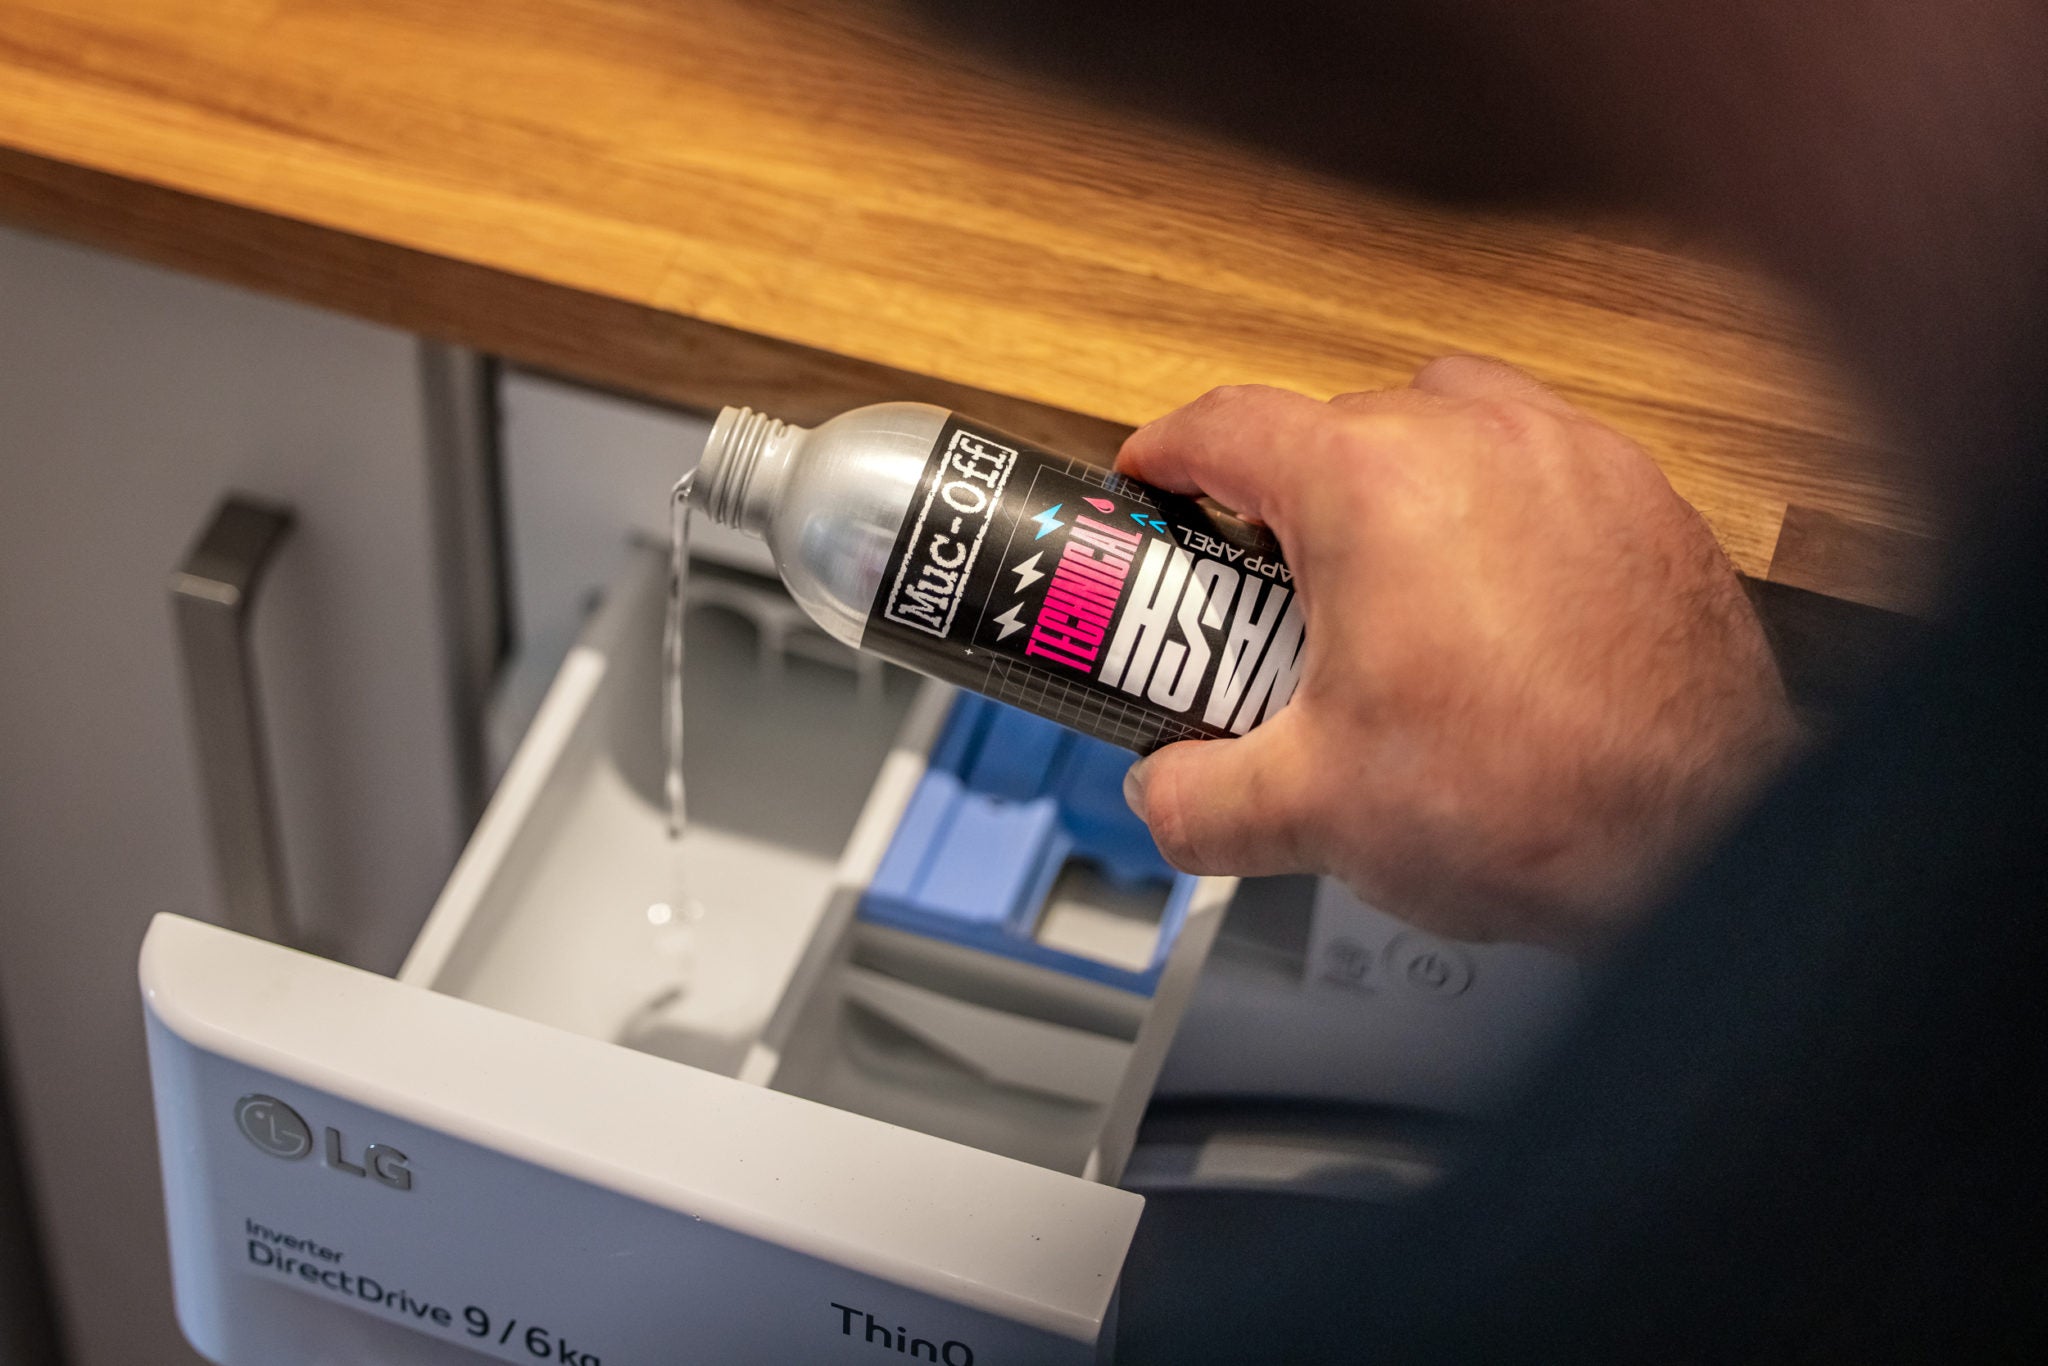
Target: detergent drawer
{"type": "Point", "coordinates": [794, 1089]}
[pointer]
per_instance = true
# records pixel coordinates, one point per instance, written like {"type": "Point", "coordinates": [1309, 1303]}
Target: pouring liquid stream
{"type": "Point", "coordinates": [672, 653]}
{"type": "Point", "coordinates": [672, 923]}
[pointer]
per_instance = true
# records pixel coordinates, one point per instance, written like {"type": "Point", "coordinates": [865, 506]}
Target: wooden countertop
{"type": "Point", "coordinates": [807, 205]}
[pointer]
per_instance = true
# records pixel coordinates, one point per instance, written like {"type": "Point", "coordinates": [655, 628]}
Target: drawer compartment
{"type": "Point", "coordinates": [732, 1100]}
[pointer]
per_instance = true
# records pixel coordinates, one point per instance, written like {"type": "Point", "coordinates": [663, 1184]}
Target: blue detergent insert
{"type": "Point", "coordinates": [1007, 800]}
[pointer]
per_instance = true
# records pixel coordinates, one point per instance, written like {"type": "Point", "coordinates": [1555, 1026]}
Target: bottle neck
{"type": "Point", "coordinates": [739, 480]}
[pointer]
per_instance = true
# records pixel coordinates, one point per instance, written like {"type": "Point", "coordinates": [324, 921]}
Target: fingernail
{"type": "Point", "coordinates": [1134, 788]}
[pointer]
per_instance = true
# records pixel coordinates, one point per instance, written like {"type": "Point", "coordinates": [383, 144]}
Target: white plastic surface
{"type": "Point", "coordinates": [745, 1212]}
{"type": "Point", "coordinates": [1369, 1010]}
{"type": "Point", "coordinates": [572, 906]}
{"type": "Point", "coordinates": [1003, 1048]}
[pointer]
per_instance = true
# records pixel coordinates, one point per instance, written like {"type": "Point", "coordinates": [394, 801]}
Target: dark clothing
{"type": "Point", "coordinates": [1803, 1115]}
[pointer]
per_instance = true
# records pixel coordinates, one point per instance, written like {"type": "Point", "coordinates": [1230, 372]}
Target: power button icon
{"type": "Point", "coordinates": [1428, 965]}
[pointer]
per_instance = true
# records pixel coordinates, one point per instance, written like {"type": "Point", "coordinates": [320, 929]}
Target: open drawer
{"type": "Point", "coordinates": [795, 1090]}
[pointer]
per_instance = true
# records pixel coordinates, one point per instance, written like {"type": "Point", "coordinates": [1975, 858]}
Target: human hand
{"type": "Point", "coordinates": [1532, 681]}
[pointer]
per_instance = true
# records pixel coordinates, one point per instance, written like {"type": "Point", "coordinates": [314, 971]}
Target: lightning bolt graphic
{"type": "Point", "coordinates": [1008, 621]}
{"type": "Point", "coordinates": [1047, 521]}
{"type": "Point", "coordinates": [1028, 572]}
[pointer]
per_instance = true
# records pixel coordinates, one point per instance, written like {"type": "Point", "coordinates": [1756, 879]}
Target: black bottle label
{"type": "Point", "coordinates": [1130, 614]}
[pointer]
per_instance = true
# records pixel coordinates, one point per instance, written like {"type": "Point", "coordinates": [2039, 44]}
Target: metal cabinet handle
{"type": "Point", "coordinates": [212, 594]}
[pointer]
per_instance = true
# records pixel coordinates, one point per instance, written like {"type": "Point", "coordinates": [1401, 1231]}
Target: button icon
{"type": "Point", "coordinates": [1347, 963]}
{"type": "Point", "coordinates": [273, 1126]}
{"type": "Point", "coordinates": [1428, 965]}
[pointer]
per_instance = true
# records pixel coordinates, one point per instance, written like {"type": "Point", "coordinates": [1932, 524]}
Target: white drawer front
{"type": "Point", "coordinates": [445, 1170]}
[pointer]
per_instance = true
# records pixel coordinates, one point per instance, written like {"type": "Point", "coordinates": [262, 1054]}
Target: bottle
{"type": "Point", "coordinates": [1054, 584]}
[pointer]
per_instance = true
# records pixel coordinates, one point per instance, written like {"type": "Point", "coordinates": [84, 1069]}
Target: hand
{"type": "Point", "coordinates": [1532, 683]}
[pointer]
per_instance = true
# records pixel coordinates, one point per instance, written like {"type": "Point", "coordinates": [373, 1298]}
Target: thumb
{"type": "Point", "coordinates": [1223, 806]}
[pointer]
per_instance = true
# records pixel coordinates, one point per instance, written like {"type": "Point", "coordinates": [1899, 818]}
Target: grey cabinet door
{"type": "Point", "coordinates": [131, 399]}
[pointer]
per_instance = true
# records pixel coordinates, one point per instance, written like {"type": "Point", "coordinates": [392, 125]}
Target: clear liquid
{"type": "Point", "coordinates": [672, 652]}
{"type": "Point", "coordinates": [672, 924]}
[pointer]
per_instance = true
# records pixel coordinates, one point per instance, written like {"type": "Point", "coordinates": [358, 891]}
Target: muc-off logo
{"type": "Point", "coordinates": [944, 540]}
{"type": "Point", "coordinates": [281, 1131]}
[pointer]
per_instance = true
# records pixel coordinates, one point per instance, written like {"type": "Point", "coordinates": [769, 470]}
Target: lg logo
{"type": "Point", "coordinates": [273, 1126]}
{"type": "Point", "coordinates": [279, 1130]}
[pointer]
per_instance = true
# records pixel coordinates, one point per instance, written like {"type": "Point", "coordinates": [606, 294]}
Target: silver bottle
{"type": "Point", "coordinates": [1047, 582]}
{"type": "Point", "coordinates": [827, 500]}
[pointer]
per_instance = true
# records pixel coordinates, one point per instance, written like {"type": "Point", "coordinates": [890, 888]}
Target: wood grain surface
{"type": "Point", "coordinates": [1881, 566]}
{"type": "Point", "coordinates": [813, 204]}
